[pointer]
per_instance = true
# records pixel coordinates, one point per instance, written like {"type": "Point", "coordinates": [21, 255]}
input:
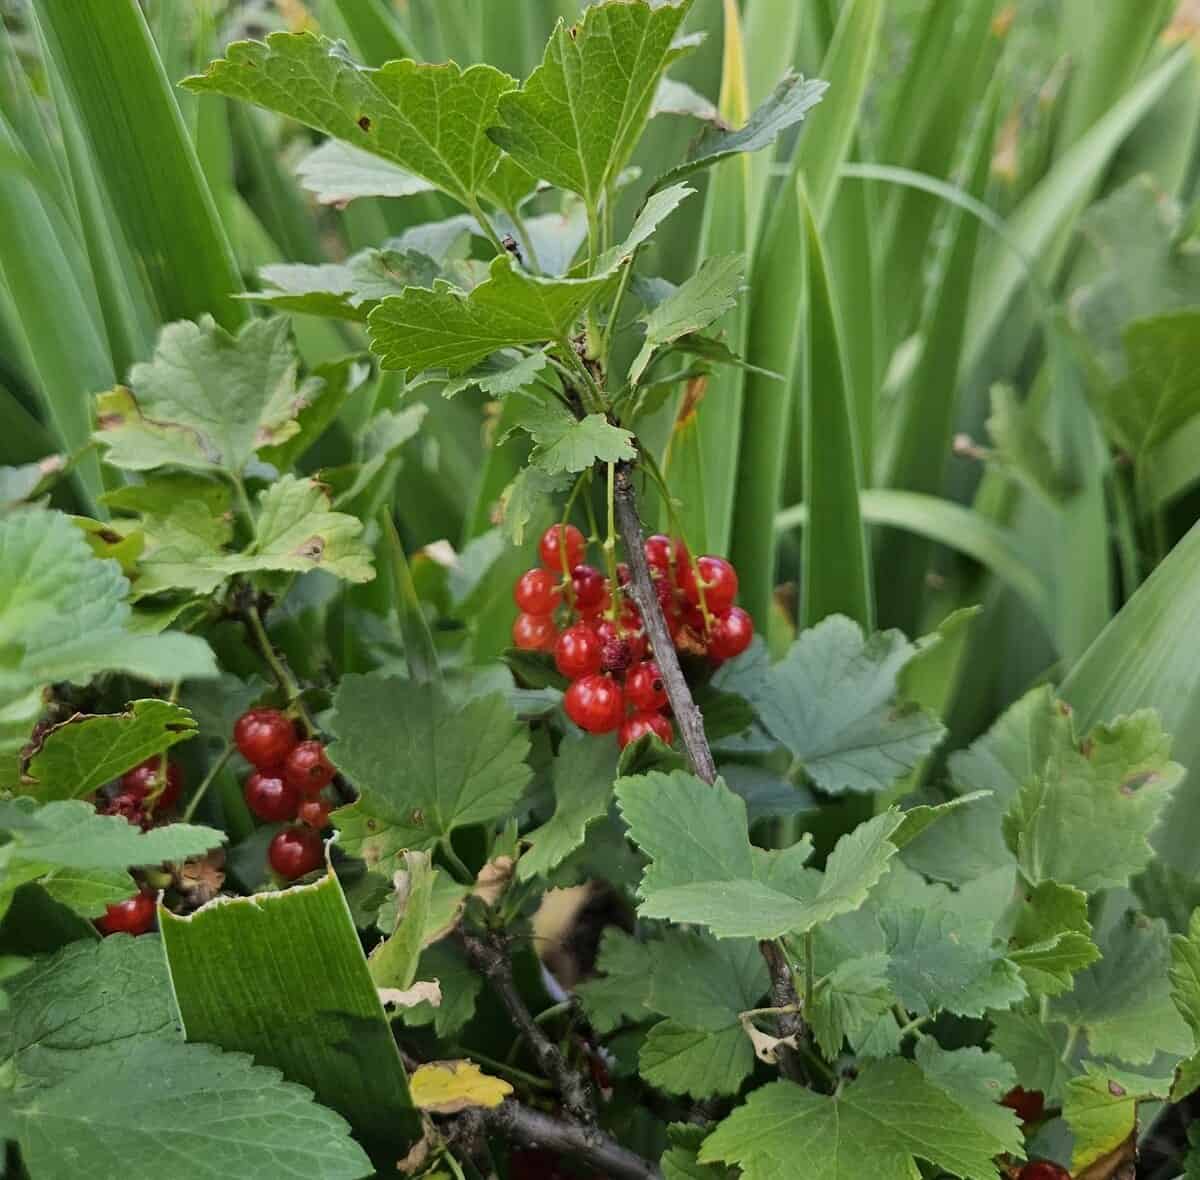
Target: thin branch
{"type": "Point", "coordinates": [489, 956]}
{"type": "Point", "coordinates": [687, 714]}
{"type": "Point", "coordinates": [786, 1003]}
{"type": "Point", "coordinates": [586, 1144]}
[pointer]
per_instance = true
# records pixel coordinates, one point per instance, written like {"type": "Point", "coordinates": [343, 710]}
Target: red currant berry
{"type": "Point", "coordinates": [134, 915]}
{"type": "Point", "coordinates": [644, 687]}
{"type": "Point", "coordinates": [1043, 1170]}
{"type": "Point", "coordinates": [307, 769]}
{"type": "Point", "coordinates": [731, 634]}
{"type": "Point", "coordinates": [659, 552]}
{"type": "Point", "coordinates": [595, 703]}
{"type": "Point", "coordinates": [621, 647]}
{"type": "Point", "coordinates": [590, 585]}
{"type": "Point", "coordinates": [577, 652]}
{"type": "Point", "coordinates": [719, 579]}
{"type": "Point", "coordinates": [641, 724]}
{"type": "Point", "coordinates": [264, 737]}
{"type": "Point", "coordinates": [1030, 1105]}
{"type": "Point", "coordinates": [295, 851]}
{"type": "Point", "coordinates": [128, 807]}
{"type": "Point", "coordinates": [146, 778]}
{"type": "Point", "coordinates": [550, 547]}
{"type": "Point", "coordinates": [270, 796]}
{"type": "Point", "coordinates": [537, 592]}
{"type": "Point", "coordinates": [314, 813]}
{"type": "Point", "coordinates": [534, 633]}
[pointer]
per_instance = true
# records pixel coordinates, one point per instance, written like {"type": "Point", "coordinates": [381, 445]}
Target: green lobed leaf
{"type": "Point", "coordinates": [692, 306]}
{"type": "Point", "coordinates": [63, 617]}
{"type": "Point", "coordinates": [584, 772]}
{"type": "Point", "coordinates": [786, 106]}
{"type": "Point", "coordinates": [207, 400]}
{"type": "Point", "coordinates": [461, 986]}
{"type": "Point", "coordinates": [444, 329]}
{"type": "Point", "coordinates": [1042, 1054]}
{"type": "Point", "coordinates": [832, 702]}
{"type": "Point", "coordinates": [880, 1125]}
{"type": "Point", "coordinates": [623, 991]}
{"type": "Point", "coordinates": [1051, 938]}
{"type": "Point", "coordinates": [1086, 819]}
{"type": "Point", "coordinates": [1184, 974]}
{"type": "Point", "coordinates": [344, 290]}
{"type": "Point", "coordinates": [680, 1162]}
{"type": "Point", "coordinates": [393, 963]}
{"type": "Point", "coordinates": [849, 1001]}
{"type": "Point", "coordinates": [422, 766]}
{"type": "Point", "coordinates": [701, 983]}
{"type": "Point", "coordinates": [89, 892]}
{"type": "Point", "coordinates": [431, 120]}
{"type": "Point", "coordinates": [975, 1081]}
{"type": "Point", "coordinates": [526, 501]}
{"type": "Point", "coordinates": [577, 118]}
{"type": "Point", "coordinates": [298, 530]}
{"type": "Point", "coordinates": [570, 444]}
{"type": "Point", "coordinates": [692, 1061]}
{"type": "Point", "coordinates": [73, 759]}
{"type": "Point", "coordinates": [72, 834]}
{"type": "Point", "coordinates": [1101, 1110]}
{"type": "Point", "coordinates": [337, 173]}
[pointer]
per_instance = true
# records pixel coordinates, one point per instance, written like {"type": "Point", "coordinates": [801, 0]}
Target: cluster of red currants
{"type": "Point", "coordinates": [602, 647]}
{"type": "Point", "coordinates": [286, 784]}
{"type": "Point", "coordinates": [143, 796]}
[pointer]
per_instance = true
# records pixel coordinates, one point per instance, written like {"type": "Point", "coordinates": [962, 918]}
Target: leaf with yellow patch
{"type": "Point", "coordinates": [446, 1087]}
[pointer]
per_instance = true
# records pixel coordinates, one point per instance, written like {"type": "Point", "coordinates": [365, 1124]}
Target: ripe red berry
{"type": "Point", "coordinates": [641, 724]}
{"type": "Point", "coordinates": [719, 579]}
{"type": "Point", "coordinates": [295, 851]}
{"type": "Point", "coordinates": [595, 703]}
{"type": "Point", "coordinates": [644, 687]}
{"type": "Point", "coordinates": [534, 632]}
{"type": "Point", "coordinates": [1030, 1105]}
{"type": "Point", "coordinates": [622, 646]}
{"type": "Point", "coordinates": [307, 769]}
{"type": "Point", "coordinates": [134, 915]}
{"type": "Point", "coordinates": [146, 778]}
{"type": "Point", "coordinates": [590, 586]}
{"type": "Point", "coordinates": [314, 813]}
{"type": "Point", "coordinates": [128, 807]}
{"type": "Point", "coordinates": [577, 652]}
{"type": "Point", "coordinates": [537, 592]}
{"type": "Point", "coordinates": [731, 634]}
{"type": "Point", "coordinates": [264, 737]}
{"type": "Point", "coordinates": [1044, 1170]}
{"type": "Point", "coordinates": [270, 796]}
{"type": "Point", "coordinates": [660, 553]}
{"type": "Point", "coordinates": [550, 547]}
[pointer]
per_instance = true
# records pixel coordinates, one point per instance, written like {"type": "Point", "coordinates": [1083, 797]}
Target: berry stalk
{"type": "Point", "coordinates": [687, 714]}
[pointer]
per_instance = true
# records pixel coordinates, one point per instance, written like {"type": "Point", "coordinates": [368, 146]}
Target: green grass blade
{"type": "Point", "coordinates": [1145, 658]}
{"type": "Point", "coordinates": [242, 970]}
{"type": "Point", "coordinates": [847, 68]}
{"type": "Point", "coordinates": [375, 31]}
{"type": "Point", "coordinates": [997, 549]}
{"type": "Point", "coordinates": [1054, 205]}
{"type": "Point", "coordinates": [146, 163]}
{"type": "Point", "coordinates": [837, 574]}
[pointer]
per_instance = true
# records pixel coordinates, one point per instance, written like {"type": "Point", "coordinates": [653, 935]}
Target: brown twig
{"type": "Point", "coordinates": [687, 715]}
{"type": "Point", "coordinates": [783, 995]}
{"type": "Point", "coordinates": [532, 1128]}
{"type": "Point", "coordinates": [489, 956]}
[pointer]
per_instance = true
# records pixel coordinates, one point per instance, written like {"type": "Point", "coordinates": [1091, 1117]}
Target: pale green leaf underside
{"type": "Point", "coordinates": [567, 443]}
{"type": "Point", "coordinates": [337, 173]}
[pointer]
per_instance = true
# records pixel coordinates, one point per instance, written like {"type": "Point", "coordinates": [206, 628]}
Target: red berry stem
{"type": "Point", "coordinates": [687, 714]}
{"type": "Point", "coordinates": [286, 680]}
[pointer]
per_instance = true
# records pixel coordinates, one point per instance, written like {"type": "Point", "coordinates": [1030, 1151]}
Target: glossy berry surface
{"type": "Point", "coordinates": [537, 592]}
{"type": "Point", "coordinates": [270, 796]}
{"type": "Point", "coordinates": [534, 632]}
{"type": "Point", "coordinates": [641, 724]}
{"type": "Point", "coordinates": [731, 634]}
{"type": "Point", "coordinates": [550, 548]}
{"type": "Point", "coordinates": [590, 587]}
{"type": "Point", "coordinates": [644, 687]}
{"type": "Point", "coordinates": [314, 813]}
{"type": "Point", "coordinates": [146, 779]}
{"type": "Point", "coordinates": [1030, 1105]}
{"type": "Point", "coordinates": [307, 769]}
{"type": "Point", "coordinates": [134, 915]}
{"type": "Point", "coordinates": [719, 580]}
{"type": "Point", "coordinates": [295, 851]}
{"type": "Point", "coordinates": [660, 553]}
{"type": "Point", "coordinates": [264, 737]}
{"type": "Point", "coordinates": [578, 651]}
{"type": "Point", "coordinates": [595, 704]}
{"type": "Point", "coordinates": [1043, 1170]}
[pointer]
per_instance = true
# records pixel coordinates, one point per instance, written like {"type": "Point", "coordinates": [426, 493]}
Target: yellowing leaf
{"type": "Point", "coordinates": [446, 1087]}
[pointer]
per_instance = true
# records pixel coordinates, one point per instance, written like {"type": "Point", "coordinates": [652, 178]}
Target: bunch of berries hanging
{"type": "Point", "coordinates": [285, 785]}
{"type": "Point", "coordinates": [594, 629]}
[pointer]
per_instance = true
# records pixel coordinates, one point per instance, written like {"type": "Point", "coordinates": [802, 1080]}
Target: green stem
{"type": "Point", "coordinates": [528, 253]}
{"type": "Point", "coordinates": [464, 874]}
{"type": "Point", "coordinates": [450, 1162]}
{"type": "Point", "coordinates": [206, 782]}
{"type": "Point", "coordinates": [485, 224]}
{"type": "Point", "coordinates": [1069, 1047]}
{"type": "Point", "coordinates": [914, 1026]}
{"type": "Point", "coordinates": [610, 327]}
{"type": "Point", "coordinates": [554, 1010]}
{"type": "Point", "coordinates": [287, 681]}
{"type": "Point", "coordinates": [809, 974]}
{"type": "Point", "coordinates": [517, 1075]}
{"type": "Point", "coordinates": [589, 391]}
{"type": "Point", "coordinates": [243, 501]}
